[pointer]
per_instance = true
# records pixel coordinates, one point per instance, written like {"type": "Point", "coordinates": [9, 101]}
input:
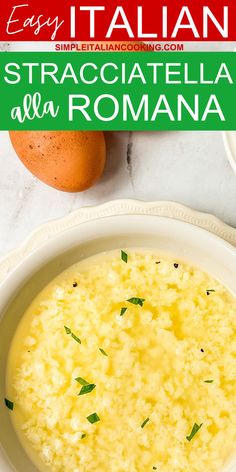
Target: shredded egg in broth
{"type": "Point", "coordinates": [127, 362]}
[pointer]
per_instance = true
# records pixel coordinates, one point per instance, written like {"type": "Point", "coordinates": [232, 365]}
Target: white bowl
{"type": "Point", "coordinates": [178, 239]}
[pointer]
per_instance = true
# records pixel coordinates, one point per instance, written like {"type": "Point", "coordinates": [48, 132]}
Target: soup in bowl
{"type": "Point", "coordinates": [126, 361]}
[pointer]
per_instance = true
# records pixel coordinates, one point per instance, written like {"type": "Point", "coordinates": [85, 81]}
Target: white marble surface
{"type": "Point", "coordinates": [187, 167]}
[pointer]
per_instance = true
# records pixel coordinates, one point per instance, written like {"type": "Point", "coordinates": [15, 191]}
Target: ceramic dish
{"type": "Point", "coordinates": [169, 236]}
{"type": "Point", "coordinates": [229, 138]}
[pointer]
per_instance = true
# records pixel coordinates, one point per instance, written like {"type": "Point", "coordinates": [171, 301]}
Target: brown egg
{"type": "Point", "coordinates": [71, 161]}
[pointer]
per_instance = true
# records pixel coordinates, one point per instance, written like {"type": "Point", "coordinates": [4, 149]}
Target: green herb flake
{"type": "Point", "coordinates": [145, 422]}
{"type": "Point", "coordinates": [123, 310]}
{"type": "Point", "coordinates": [87, 389]}
{"type": "Point", "coordinates": [78, 340]}
{"type": "Point", "coordinates": [81, 381]}
{"type": "Point", "coordinates": [124, 256]}
{"type": "Point", "coordinates": [93, 418]}
{"type": "Point", "coordinates": [9, 404]}
{"type": "Point", "coordinates": [83, 436]}
{"type": "Point", "coordinates": [103, 352]}
{"type": "Point", "coordinates": [209, 291]}
{"type": "Point", "coordinates": [68, 330]}
{"type": "Point", "coordinates": [194, 431]}
{"type": "Point", "coordinates": [208, 381]}
{"type": "Point", "coordinates": [136, 301]}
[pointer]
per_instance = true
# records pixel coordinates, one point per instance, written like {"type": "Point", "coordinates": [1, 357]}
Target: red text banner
{"type": "Point", "coordinates": [120, 20]}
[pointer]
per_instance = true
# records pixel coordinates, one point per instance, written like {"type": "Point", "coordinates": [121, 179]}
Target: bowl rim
{"type": "Point", "coordinates": [111, 208]}
{"type": "Point", "coordinates": [228, 148]}
{"type": "Point", "coordinates": [57, 244]}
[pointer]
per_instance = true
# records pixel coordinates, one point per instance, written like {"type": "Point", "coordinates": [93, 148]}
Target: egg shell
{"type": "Point", "coordinates": [71, 161]}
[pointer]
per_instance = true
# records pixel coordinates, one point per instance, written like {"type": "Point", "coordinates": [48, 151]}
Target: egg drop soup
{"type": "Point", "coordinates": [126, 362]}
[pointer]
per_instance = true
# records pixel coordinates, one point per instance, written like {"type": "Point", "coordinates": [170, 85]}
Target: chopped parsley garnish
{"type": "Point", "coordinates": [68, 331]}
{"type": "Point", "coordinates": [194, 431]}
{"type": "Point", "coordinates": [123, 310]}
{"type": "Point", "coordinates": [136, 301]}
{"type": "Point", "coordinates": [124, 256]}
{"type": "Point", "coordinates": [208, 381]}
{"type": "Point", "coordinates": [103, 352]}
{"type": "Point", "coordinates": [75, 284]}
{"type": "Point", "coordinates": [9, 404]}
{"type": "Point", "coordinates": [87, 389]}
{"type": "Point", "coordinates": [93, 418]}
{"type": "Point", "coordinates": [83, 436]}
{"type": "Point", "coordinates": [158, 262]}
{"type": "Point", "coordinates": [145, 422]}
{"type": "Point", "coordinates": [81, 381]}
{"type": "Point", "coordinates": [76, 338]}
{"type": "Point", "coordinates": [209, 291]}
{"type": "Point", "coordinates": [176, 265]}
